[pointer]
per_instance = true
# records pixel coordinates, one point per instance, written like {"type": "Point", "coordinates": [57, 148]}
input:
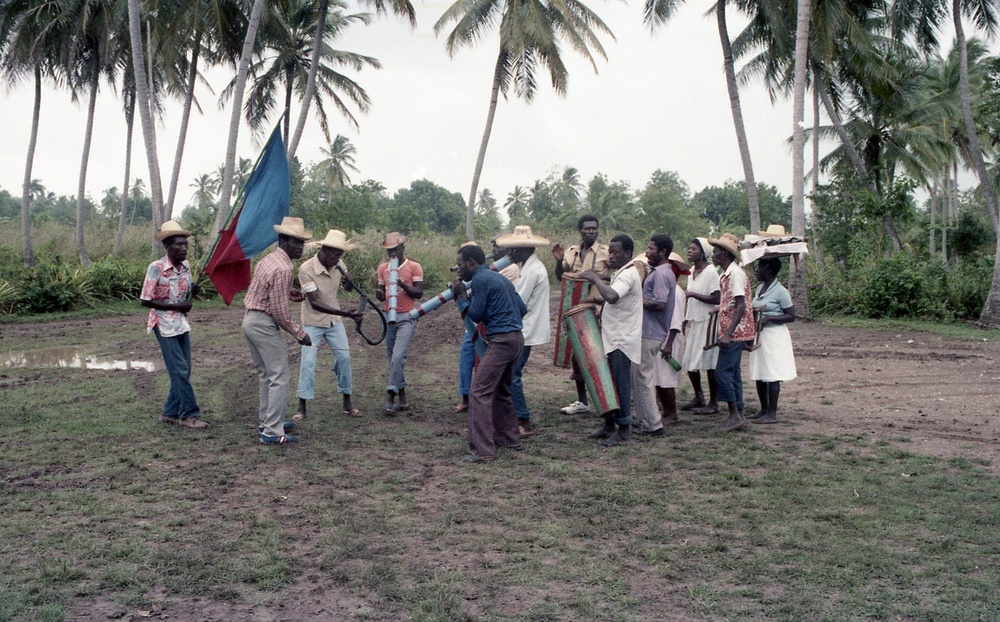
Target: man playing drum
{"type": "Point", "coordinates": [410, 284]}
{"type": "Point", "coordinates": [588, 255]}
{"type": "Point", "coordinates": [621, 332]}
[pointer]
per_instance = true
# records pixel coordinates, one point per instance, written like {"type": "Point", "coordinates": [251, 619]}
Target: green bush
{"type": "Point", "coordinates": [53, 286]}
{"type": "Point", "coordinates": [116, 279]}
{"type": "Point", "coordinates": [969, 285]}
{"type": "Point", "coordinates": [895, 288]}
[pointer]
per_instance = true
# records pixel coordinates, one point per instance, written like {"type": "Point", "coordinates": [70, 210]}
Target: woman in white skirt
{"type": "Point", "coordinates": [773, 362]}
{"type": "Point", "coordinates": [702, 298]}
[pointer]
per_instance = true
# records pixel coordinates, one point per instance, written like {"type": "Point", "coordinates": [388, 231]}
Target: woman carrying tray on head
{"type": "Point", "coordinates": [773, 361]}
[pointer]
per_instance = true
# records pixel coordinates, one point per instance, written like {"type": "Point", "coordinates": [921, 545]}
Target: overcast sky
{"type": "Point", "coordinates": [659, 101]}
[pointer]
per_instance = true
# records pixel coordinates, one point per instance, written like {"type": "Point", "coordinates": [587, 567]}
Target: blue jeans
{"type": "Point", "coordinates": [621, 375]}
{"type": "Point", "coordinates": [336, 338]}
{"type": "Point", "coordinates": [517, 387]}
{"type": "Point", "coordinates": [176, 352]}
{"type": "Point", "coordinates": [728, 374]}
{"type": "Point", "coordinates": [397, 343]}
{"type": "Point", "coordinates": [466, 361]}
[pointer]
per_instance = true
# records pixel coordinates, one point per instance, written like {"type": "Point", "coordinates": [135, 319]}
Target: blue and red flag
{"type": "Point", "coordinates": [265, 203]}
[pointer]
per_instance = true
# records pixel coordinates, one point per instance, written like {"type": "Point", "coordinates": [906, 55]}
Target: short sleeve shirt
{"type": "Point", "coordinates": [659, 286]}
{"type": "Point", "coordinates": [409, 272]}
{"type": "Point", "coordinates": [732, 285]}
{"type": "Point", "coordinates": [706, 282]}
{"type": "Point", "coordinates": [315, 278]}
{"type": "Point", "coordinates": [773, 300]}
{"type": "Point", "coordinates": [621, 323]}
{"type": "Point", "coordinates": [166, 283]}
{"type": "Point", "coordinates": [596, 259]}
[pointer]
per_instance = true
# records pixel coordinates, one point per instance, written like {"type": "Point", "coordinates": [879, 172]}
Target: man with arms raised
{"type": "Point", "coordinates": [621, 332]}
{"type": "Point", "coordinates": [319, 278]}
{"type": "Point", "coordinates": [268, 313]}
{"type": "Point", "coordinates": [588, 255]}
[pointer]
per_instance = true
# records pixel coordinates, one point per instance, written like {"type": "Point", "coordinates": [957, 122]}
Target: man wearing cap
{"type": "Point", "coordinates": [658, 299]}
{"type": "Point", "coordinates": [492, 419]}
{"type": "Point", "coordinates": [621, 333]}
{"type": "Point", "coordinates": [167, 291]}
{"type": "Point", "coordinates": [319, 278]}
{"type": "Point", "coordinates": [268, 313]}
{"type": "Point", "coordinates": [588, 255]}
{"type": "Point", "coordinates": [410, 287]}
{"type": "Point", "coordinates": [533, 287]}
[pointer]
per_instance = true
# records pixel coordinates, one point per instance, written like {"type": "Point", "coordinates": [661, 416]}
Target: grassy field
{"type": "Point", "coordinates": [103, 507]}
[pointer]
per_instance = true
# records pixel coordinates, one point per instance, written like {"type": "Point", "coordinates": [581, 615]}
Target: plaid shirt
{"type": "Point", "coordinates": [166, 283]}
{"type": "Point", "coordinates": [269, 289]}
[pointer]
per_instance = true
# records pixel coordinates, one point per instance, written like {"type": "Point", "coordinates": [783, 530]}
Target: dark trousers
{"type": "Point", "coordinates": [517, 386]}
{"type": "Point", "coordinates": [176, 352]}
{"type": "Point", "coordinates": [492, 419]}
{"type": "Point", "coordinates": [621, 375]}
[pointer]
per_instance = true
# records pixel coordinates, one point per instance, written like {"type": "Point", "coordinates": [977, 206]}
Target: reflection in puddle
{"type": "Point", "coordinates": [72, 356]}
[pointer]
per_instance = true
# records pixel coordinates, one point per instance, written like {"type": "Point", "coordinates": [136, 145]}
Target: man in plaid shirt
{"type": "Point", "coordinates": [268, 313]}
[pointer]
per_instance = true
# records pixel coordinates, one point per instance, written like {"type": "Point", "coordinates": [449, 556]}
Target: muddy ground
{"type": "Point", "coordinates": [928, 393]}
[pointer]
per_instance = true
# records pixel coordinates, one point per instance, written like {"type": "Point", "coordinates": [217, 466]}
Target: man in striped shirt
{"type": "Point", "coordinates": [268, 313]}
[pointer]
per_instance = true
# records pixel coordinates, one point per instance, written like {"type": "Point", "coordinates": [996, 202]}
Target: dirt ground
{"type": "Point", "coordinates": [929, 394]}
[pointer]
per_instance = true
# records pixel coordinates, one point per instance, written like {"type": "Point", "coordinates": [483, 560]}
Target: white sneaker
{"type": "Point", "coordinates": [576, 408]}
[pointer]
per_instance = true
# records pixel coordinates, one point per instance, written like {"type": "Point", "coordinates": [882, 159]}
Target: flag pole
{"type": "Point", "coordinates": [237, 204]}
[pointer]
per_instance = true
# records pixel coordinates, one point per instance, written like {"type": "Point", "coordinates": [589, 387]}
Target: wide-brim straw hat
{"type": "Point", "coordinates": [293, 227]}
{"type": "Point", "coordinates": [392, 240]}
{"type": "Point", "coordinates": [169, 229]}
{"type": "Point", "coordinates": [522, 237]}
{"type": "Point", "coordinates": [727, 241]}
{"type": "Point", "coordinates": [679, 262]}
{"type": "Point", "coordinates": [773, 231]}
{"type": "Point", "coordinates": [336, 239]}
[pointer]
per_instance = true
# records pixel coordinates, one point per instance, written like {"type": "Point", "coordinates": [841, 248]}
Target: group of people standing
{"type": "Point", "coordinates": [651, 329]}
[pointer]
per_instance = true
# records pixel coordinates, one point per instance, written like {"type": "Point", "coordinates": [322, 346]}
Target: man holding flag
{"type": "Point", "coordinates": [269, 312]}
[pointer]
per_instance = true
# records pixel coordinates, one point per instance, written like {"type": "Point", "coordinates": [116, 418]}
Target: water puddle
{"type": "Point", "coordinates": [72, 357]}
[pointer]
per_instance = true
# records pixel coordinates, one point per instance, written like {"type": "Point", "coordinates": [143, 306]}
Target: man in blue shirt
{"type": "Point", "coordinates": [493, 301]}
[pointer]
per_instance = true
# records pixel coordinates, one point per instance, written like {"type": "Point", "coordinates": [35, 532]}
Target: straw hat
{"type": "Point", "coordinates": [521, 238]}
{"type": "Point", "coordinates": [773, 231]}
{"type": "Point", "coordinates": [392, 240]}
{"type": "Point", "coordinates": [293, 227]}
{"type": "Point", "coordinates": [679, 262]}
{"type": "Point", "coordinates": [336, 239]}
{"type": "Point", "coordinates": [469, 243]}
{"type": "Point", "coordinates": [170, 229]}
{"type": "Point", "coordinates": [727, 241]}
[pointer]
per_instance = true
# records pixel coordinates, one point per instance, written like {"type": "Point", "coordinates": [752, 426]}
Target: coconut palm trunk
{"type": "Point", "coordinates": [192, 77]}
{"type": "Point", "coordinates": [130, 126]}
{"type": "Point", "coordinates": [143, 100]}
{"type": "Point", "coordinates": [81, 189]}
{"type": "Point", "coordinates": [734, 104]}
{"type": "Point", "coordinates": [797, 274]}
{"type": "Point", "coordinates": [300, 123]}
{"type": "Point", "coordinates": [225, 192]}
{"type": "Point", "coordinates": [494, 98]}
{"type": "Point", "coordinates": [27, 253]}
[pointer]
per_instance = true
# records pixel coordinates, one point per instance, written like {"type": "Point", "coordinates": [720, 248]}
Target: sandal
{"type": "Point", "coordinates": [354, 412]}
{"type": "Point", "coordinates": [706, 410]}
{"type": "Point", "coordinates": [693, 404]}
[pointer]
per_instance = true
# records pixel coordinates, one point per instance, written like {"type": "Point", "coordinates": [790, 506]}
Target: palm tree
{"type": "Point", "coordinates": [517, 204]}
{"type": "Point", "coordinates": [658, 12]}
{"type": "Point", "coordinates": [529, 33]}
{"type": "Point", "coordinates": [401, 7]}
{"type": "Point", "coordinates": [339, 159]}
{"type": "Point", "coordinates": [287, 39]}
{"type": "Point", "coordinates": [30, 37]}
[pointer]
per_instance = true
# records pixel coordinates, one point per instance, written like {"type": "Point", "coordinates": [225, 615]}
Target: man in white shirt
{"type": "Point", "coordinates": [621, 332]}
{"type": "Point", "coordinates": [533, 287]}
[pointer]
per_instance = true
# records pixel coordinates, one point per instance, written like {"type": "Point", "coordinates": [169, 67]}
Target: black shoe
{"type": "Point", "coordinates": [657, 432]}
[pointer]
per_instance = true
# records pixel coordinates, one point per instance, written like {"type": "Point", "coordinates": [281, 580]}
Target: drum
{"type": "Point", "coordinates": [574, 292]}
{"type": "Point", "coordinates": [584, 336]}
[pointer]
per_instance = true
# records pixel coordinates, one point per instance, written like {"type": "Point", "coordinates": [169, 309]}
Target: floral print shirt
{"type": "Point", "coordinates": [166, 283]}
{"type": "Point", "coordinates": [732, 284]}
